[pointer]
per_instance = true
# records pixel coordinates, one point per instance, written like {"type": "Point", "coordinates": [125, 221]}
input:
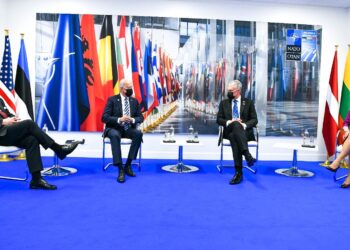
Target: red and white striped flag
{"type": "Point", "coordinates": [7, 91]}
{"type": "Point", "coordinates": [330, 119]}
{"type": "Point", "coordinates": [124, 41]}
{"type": "Point", "coordinates": [13, 102]}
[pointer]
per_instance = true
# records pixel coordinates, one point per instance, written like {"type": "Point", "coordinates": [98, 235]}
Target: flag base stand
{"type": "Point", "coordinates": [5, 158]}
{"type": "Point", "coordinates": [21, 156]}
{"type": "Point", "coordinates": [343, 164]}
{"type": "Point", "coordinates": [325, 163]}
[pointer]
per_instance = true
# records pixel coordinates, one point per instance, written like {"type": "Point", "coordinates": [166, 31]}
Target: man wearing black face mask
{"type": "Point", "coordinates": [121, 116]}
{"type": "Point", "coordinates": [238, 117]}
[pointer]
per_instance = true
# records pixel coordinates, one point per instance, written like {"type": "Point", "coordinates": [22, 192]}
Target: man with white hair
{"type": "Point", "coordinates": [121, 116]}
{"type": "Point", "coordinates": [238, 117]}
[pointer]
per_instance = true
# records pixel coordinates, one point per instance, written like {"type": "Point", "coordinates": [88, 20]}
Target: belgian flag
{"type": "Point", "coordinates": [107, 58]}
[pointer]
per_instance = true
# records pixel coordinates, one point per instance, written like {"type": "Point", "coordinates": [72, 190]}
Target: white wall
{"type": "Point", "coordinates": [19, 16]}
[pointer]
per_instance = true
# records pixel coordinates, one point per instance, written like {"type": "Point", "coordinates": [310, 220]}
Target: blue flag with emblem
{"type": "Point", "coordinates": [64, 103]}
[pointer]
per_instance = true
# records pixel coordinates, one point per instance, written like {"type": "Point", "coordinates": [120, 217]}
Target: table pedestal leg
{"type": "Point", "coordinates": [57, 170]}
{"type": "Point", "coordinates": [180, 167]}
{"type": "Point", "coordinates": [294, 171]}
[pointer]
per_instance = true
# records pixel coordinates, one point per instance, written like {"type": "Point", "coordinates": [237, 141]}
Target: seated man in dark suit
{"type": "Point", "coordinates": [122, 115]}
{"type": "Point", "coordinates": [26, 134]}
{"type": "Point", "coordinates": [238, 117]}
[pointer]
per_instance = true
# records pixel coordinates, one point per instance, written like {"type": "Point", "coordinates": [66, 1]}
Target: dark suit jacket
{"type": "Point", "coordinates": [114, 110]}
{"type": "Point", "coordinates": [247, 115]}
{"type": "Point", "coordinates": [3, 108]}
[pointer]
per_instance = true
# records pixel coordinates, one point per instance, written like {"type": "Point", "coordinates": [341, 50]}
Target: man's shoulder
{"type": "Point", "coordinates": [133, 99]}
{"type": "Point", "coordinates": [114, 97]}
{"type": "Point", "coordinates": [247, 100]}
{"type": "Point", "coordinates": [225, 101]}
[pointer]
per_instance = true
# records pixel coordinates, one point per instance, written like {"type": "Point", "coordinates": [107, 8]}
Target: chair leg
{"type": "Point", "coordinates": [140, 149]}
{"type": "Point", "coordinates": [104, 167]}
{"type": "Point", "coordinates": [14, 178]}
{"type": "Point", "coordinates": [107, 166]}
{"type": "Point", "coordinates": [251, 169]}
{"type": "Point", "coordinates": [338, 177]}
{"type": "Point", "coordinates": [220, 166]}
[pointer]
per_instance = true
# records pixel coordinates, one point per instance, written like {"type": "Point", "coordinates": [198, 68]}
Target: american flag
{"type": "Point", "coordinates": [7, 91]}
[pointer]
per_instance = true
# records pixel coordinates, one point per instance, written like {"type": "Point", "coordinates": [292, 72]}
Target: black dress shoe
{"type": "Point", "coordinates": [345, 185]}
{"type": "Point", "coordinates": [66, 149]}
{"type": "Point", "coordinates": [121, 176]}
{"type": "Point", "coordinates": [128, 171]}
{"type": "Point", "coordinates": [251, 162]}
{"type": "Point", "coordinates": [331, 169]}
{"type": "Point", "coordinates": [41, 184]}
{"type": "Point", "coordinates": [237, 178]}
{"type": "Point", "coordinates": [249, 159]}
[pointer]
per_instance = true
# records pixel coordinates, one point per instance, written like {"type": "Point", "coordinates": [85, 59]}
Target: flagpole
{"type": "Point", "coordinates": [5, 157]}
{"type": "Point", "coordinates": [327, 161]}
{"type": "Point", "coordinates": [343, 163]}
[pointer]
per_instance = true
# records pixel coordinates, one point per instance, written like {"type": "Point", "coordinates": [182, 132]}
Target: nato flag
{"type": "Point", "coordinates": [64, 103]}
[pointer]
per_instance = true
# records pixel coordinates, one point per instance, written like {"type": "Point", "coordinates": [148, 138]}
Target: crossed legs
{"type": "Point", "coordinates": [336, 163]}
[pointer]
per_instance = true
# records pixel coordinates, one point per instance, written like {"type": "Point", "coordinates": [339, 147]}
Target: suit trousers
{"type": "Point", "coordinates": [26, 134]}
{"type": "Point", "coordinates": [115, 135]}
{"type": "Point", "coordinates": [239, 143]}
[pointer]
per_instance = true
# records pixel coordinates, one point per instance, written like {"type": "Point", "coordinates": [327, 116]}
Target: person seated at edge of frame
{"type": "Point", "coordinates": [121, 115]}
{"type": "Point", "coordinates": [26, 134]}
{"type": "Point", "coordinates": [344, 152]}
{"type": "Point", "coordinates": [238, 117]}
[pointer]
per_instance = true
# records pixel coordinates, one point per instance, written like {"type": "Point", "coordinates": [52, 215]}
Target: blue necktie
{"type": "Point", "coordinates": [235, 109]}
{"type": "Point", "coordinates": [126, 112]}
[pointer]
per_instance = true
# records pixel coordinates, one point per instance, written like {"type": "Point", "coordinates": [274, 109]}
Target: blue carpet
{"type": "Point", "coordinates": [161, 210]}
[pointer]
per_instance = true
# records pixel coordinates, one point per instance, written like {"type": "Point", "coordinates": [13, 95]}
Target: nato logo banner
{"type": "Point", "coordinates": [293, 45]}
{"type": "Point", "coordinates": [301, 45]}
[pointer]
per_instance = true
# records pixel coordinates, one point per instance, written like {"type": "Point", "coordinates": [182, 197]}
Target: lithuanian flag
{"type": "Point", "coordinates": [345, 93]}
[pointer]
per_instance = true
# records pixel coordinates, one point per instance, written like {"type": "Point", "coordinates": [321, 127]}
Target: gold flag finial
{"type": "Point", "coordinates": [21, 156]}
{"type": "Point", "coordinates": [6, 32]}
{"type": "Point", "coordinates": [5, 158]}
{"type": "Point", "coordinates": [336, 46]}
{"type": "Point", "coordinates": [22, 35]}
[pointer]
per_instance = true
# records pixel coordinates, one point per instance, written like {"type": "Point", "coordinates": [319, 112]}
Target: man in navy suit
{"type": "Point", "coordinates": [122, 114]}
{"type": "Point", "coordinates": [26, 134]}
{"type": "Point", "coordinates": [238, 117]}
